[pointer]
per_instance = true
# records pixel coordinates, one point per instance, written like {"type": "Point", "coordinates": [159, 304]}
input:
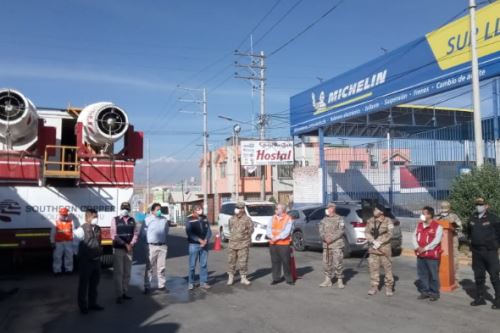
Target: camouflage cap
{"type": "Point", "coordinates": [445, 205]}
{"type": "Point", "coordinates": [331, 205]}
{"type": "Point", "coordinates": [380, 208]}
{"type": "Point", "coordinates": [480, 201]}
{"type": "Point", "coordinates": [240, 205]}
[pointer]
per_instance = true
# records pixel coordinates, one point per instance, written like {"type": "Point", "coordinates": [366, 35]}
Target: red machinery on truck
{"type": "Point", "coordinates": [53, 158]}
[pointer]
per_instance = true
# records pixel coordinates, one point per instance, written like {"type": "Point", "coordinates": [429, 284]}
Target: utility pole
{"type": "Point", "coordinates": [257, 63]}
{"type": "Point", "coordinates": [204, 113]}
{"type": "Point", "coordinates": [476, 102]}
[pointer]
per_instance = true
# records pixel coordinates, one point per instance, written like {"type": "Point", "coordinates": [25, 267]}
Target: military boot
{"type": "Point", "coordinates": [230, 279]}
{"type": "Point", "coordinates": [326, 283]}
{"type": "Point", "coordinates": [389, 292]}
{"type": "Point", "coordinates": [373, 290]}
{"type": "Point", "coordinates": [245, 281]}
{"type": "Point", "coordinates": [340, 284]}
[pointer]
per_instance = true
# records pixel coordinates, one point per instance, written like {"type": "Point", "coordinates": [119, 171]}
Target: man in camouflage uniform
{"type": "Point", "coordinates": [450, 216]}
{"type": "Point", "coordinates": [240, 229]}
{"type": "Point", "coordinates": [331, 231]}
{"type": "Point", "coordinates": [378, 233]}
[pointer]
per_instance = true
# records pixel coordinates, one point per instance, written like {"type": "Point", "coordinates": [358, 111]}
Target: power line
{"type": "Point", "coordinates": [278, 22]}
{"type": "Point", "coordinates": [259, 23]}
{"type": "Point", "coordinates": [306, 28]}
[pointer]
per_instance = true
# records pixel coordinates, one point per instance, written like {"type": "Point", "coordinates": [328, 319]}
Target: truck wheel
{"type": "Point", "coordinates": [107, 260]}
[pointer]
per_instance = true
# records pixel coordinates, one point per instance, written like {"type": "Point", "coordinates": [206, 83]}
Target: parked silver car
{"type": "Point", "coordinates": [306, 228]}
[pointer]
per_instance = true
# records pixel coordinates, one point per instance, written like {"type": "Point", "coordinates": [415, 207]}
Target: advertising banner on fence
{"type": "Point", "coordinates": [433, 64]}
{"type": "Point", "coordinates": [266, 152]}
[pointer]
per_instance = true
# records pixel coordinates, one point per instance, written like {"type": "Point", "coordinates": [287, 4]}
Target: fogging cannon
{"type": "Point", "coordinates": [18, 120]}
{"type": "Point", "coordinates": [103, 124]}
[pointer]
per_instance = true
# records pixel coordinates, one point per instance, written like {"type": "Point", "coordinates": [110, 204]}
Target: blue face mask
{"type": "Point", "coordinates": [158, 213]}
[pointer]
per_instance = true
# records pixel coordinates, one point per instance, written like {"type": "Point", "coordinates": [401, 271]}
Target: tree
{"type": "Point", "coordinates": [480, 182]}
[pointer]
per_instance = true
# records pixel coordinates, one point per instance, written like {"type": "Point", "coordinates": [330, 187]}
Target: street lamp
{"type": "Point", "coordinates": [236, 132]}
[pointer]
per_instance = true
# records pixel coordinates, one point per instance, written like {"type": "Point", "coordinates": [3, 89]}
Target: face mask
{"type": "Point", "coordinates": [481, 209]}
{"type": "Point", "coordinates": [236, 211]}
{"type": "Point", "coordinates": [94, 220]}
{"type": "Point", "coordinates": [158, 213]}
{"type": "Point", "coordinates": [124, 212]}
{"type": "Point", "coordinates": [422, 218]}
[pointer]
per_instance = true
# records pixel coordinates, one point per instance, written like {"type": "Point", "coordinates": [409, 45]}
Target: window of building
{"type": "Point", "coordinates": [358, 165]}
{"type": "Point", "coordinates": [250, 172]}
{"type": "Point", "coordinates": [223, 166]}
{"type": "Point", "coordinates": [332, 166]}
{"type": "Point", "coordinates": [285, 171]}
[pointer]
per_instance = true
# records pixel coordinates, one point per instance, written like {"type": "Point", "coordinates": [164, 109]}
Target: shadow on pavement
{"type": "Point", "coordinates": [469, 287]}
{"type": "Point", "coordinates": [349, 273]}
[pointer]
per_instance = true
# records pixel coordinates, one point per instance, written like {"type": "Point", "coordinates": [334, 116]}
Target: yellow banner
{"type": "Point", "coordinates": [451, 43]}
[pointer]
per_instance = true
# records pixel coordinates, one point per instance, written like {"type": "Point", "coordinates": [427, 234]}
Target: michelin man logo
{"type": "Point", "coordinates": [9, 207]}
{"type": "Point", "coordinates": [320, 105]}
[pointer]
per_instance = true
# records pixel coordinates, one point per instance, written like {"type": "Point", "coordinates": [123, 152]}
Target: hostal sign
{"type": "Point", "coordinates": [266, 152]}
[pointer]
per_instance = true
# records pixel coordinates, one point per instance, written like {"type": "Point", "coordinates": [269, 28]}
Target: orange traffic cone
{"type": "Point", "coordinates": [218, 243]}
{"type": "Point", "coordinates": [293, 267]}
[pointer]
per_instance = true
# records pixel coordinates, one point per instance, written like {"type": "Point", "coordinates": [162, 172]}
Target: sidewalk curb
{"type": "Point", "coordinates": [463, 260]}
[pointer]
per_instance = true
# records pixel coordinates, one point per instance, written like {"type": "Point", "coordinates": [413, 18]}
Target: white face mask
{"type": "Point", "coordinates": [481, 209]}
{"type": "Point", "coordinates": [124, 212]}
{"type": "Point", "coordinates": [422, 218]}
{"type": "Point", "coordinates": [94, 220]}
{"type": "Point", "coordinates": [236, 211]}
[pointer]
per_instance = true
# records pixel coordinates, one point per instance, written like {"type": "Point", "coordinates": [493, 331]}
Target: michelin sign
{"type": "Point", "coordinates": [436, 63]}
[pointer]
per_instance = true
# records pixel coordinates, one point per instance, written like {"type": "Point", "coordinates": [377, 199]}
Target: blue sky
{"type": "Point", "coordinates": [135, 53]}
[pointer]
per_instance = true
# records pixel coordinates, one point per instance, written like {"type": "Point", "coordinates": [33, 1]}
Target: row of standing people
{"type": "Point", "coordinates": [483, 234]}
{"type": "Point", "coordinates": [483, 231]}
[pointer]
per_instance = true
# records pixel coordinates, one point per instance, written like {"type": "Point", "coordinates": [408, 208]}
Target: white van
{"type": "Point", "coordinates": [261, 214]}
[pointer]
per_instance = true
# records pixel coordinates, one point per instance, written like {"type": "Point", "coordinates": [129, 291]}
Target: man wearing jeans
{"type": "Point", "coordinates": [427, 244]}
{"type": "Point", "coordinates": [157, 231]}
{"type": "Point", "coordinates": [198, 233]}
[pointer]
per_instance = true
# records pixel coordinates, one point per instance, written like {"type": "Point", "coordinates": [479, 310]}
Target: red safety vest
{"type": "Point", "coordinates": [64, 231]}
{"type": "Point", "coordinates": [426, 236]}
{"type": "Point", "coordinates": [278, 226]}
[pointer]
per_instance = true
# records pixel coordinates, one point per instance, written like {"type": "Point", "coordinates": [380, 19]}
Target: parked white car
{"type": "Point", "coordinates": [260, 212]}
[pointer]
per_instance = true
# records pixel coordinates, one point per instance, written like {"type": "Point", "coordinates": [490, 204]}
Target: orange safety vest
{"type": "Point", "coordinates": [278, 226]}
{"type": "Point", "coordinates": [64, 231]}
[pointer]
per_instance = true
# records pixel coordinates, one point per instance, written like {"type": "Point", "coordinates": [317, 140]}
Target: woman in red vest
{"type": "Point", "coordinates": [427, 244]}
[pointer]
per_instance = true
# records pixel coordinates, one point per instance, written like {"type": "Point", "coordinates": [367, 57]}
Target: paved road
{"type": "Point", "coordinates": [47, 304]}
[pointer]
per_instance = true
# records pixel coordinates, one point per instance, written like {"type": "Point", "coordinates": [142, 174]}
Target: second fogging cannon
{"type": "Point", "coordinates": [103, 124]}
